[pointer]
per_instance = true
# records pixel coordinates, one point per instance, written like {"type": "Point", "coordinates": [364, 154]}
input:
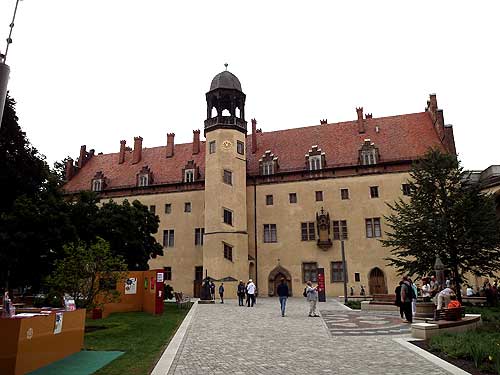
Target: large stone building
{"type": "Point", "coordinates": [268, 205]}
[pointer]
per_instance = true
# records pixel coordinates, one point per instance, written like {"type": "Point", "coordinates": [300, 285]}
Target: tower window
{"type": "Point", "coordinates": [228, 216]}
{"type": "Point", "coordinates": [211, 147]}
{"type": "Point", "coordinates": [293, 197]}
{"type": "Point", "coordinates": [187, 207]}
{"type": "Point", "coordinates": [228, 252]}
{"type": "Point", "coordinates": [228, 177]}
{"type": "Point", "coordinates": [269, 200]}
{"type": "Point", "coordinates": [189, 175]}
{"type": "Point", "coordinates": [373, 191]}
{"type": "Point", "coordinates": [240, 147]}
{"type": "Point", "coordinates": [270, 233]}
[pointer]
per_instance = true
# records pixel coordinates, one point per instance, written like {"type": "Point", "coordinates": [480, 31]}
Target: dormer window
{"type": "Point", "coordinates": [144, 177]}
{"type": "Point", "coordinates": [268, 163]}
{"type": "Point", "coordinates": [315, 159]}
{"type": "Point", "coordinates": [98, 182]}
{"type": "Point", "coordinates": [190, 172]}
{"type": "Point", "coordinates": [188, 175]}
{"type": "Point", "coordinates": [368, 154]}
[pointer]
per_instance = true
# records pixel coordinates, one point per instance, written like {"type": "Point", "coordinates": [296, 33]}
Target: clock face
{"type": "Point", "coordinates": [226, 145]}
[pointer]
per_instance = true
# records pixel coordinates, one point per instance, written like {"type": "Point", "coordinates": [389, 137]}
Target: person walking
{"type": "Point", "coordinates": [241, 293]}
{"type": "Point", "coordinates": [406, 299]}
{"type": "Point", "coordinates": [221, 292]}
{"type": "Point", "coordinates": [283, 293]}
{"type": "Point", "coordinates": [398, 302]}
{"type": "Point", "coordinates": [250, 293]}
{"type": "Point", "coordinates": [212, 290]}
{"type": "Point", "coordinates": [312, 298]}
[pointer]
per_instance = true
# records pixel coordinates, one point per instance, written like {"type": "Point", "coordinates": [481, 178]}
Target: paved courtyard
{"type": "Point", "coordinates": [228, 339]}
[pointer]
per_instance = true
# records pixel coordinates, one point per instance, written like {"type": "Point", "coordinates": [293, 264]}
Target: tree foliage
{"type": "Point", "coordinates": [446, 215]}
{"type": "Point", "coordinates": [89, 273]}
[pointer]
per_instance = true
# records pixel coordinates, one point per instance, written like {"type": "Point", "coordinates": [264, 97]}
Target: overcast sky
{"type": "Point", "coordinates": [97, 71]}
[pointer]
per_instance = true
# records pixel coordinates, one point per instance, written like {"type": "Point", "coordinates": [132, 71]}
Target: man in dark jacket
{"type": "Point", "coordinates": [282, 291]}
{"type": "Point", "coordinates": [406, 298]}
{"type": "Point", "coordinates": [242, 289]}
{"type": "Point", "coordinates": [398, 302]}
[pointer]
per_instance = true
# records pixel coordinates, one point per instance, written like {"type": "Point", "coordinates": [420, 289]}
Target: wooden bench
{"type": "Point", "coordinates": [456, 313]}
{"type": "Point", "coordinates": [181, 300]}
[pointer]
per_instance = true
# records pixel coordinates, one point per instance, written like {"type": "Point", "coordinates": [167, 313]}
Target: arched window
{"type": "Point", "coordinates": [143, 180]}
{"type": "Point", "coordinates": [315, 163]}
{"type": "Point", "coordinates": [188, 175]}
{"type": "Point", "coordinates": [315, 159]}
{"type": "Point", "coordinates": [268, 163]}
{"type": "Point", "coordinates": [97, 185]}
{"type": "Point", "coordinates": [226, 113]}
{"type": "Point", "coordinates": [368, 154]}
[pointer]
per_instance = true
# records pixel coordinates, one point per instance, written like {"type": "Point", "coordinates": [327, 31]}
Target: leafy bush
{"type": "Point", "coordinates": [356, 305]}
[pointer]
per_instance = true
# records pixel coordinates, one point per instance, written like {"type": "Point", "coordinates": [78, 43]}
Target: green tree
{"type": "Point", "coordinates": [128, 228]}
{"type": "Point", "coordinates": [89, 273]}
{"type": "Point", "coordinates": [446, 215]}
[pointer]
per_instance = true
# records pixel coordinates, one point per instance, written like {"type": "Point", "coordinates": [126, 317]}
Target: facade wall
{"type": "Point", "coordinates": [289, 252]}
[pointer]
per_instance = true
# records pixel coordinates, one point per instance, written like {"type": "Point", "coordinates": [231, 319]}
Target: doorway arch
{"type": "Point", "coordinates": [275, 277]}
{"type": "Point", "coordinates": [376, 281]}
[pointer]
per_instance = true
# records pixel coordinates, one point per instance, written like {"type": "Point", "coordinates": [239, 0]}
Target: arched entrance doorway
{"type": "Point", "coordinates": [376, 282]}
{"type": "Point", "coordinates": [275, 277]}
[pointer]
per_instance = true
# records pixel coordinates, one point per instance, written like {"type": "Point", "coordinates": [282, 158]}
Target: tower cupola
{"type": "Point", "coordinates": [225, 103]}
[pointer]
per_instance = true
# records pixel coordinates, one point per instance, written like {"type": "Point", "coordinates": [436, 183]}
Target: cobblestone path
{"type": "Point", "coordinates": [228, 339]}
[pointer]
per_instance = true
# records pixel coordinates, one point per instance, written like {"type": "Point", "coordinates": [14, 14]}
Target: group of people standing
{"type": "Point", "coordinates": [246, 292]}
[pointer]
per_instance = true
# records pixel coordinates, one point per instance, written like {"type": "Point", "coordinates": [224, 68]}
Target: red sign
{"type": "Point", "coordinates": [321, 285]}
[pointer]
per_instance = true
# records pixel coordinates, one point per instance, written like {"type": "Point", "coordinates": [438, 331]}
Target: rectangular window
{"type": "Point", "coordinates": [373, 228]}
{"type": "Point", "coordinates": [269, 200]}
{"type": "Point", "coordinates": [340, 230]}
{"type": "Point", "coordinates": [211, 147]}
{"type": "Point", "coordinates": [356, 277]}
{"type": "Point", "coordinates": [168, 238]}
{"type": "Point", "coordinates": [307, 231]}
{"type": "Point", "coordinates": [198, 236]}
{"type": "Point", "coordinates": [167, 273]}
{"type": "Point", "coordinates": [337, 272]}
{"type": "Point", "coordinates": [228, 252]}
{"type": "Point", "coordinates": [406, 189]}
{"type": "Point", "coordinates": [228, 216]}
{"type": "Point", "coordinates": [198, 273]}
{"type": "Point", "coordinates": [187, 207]}
{"type": "Point", "coordinates": [228, 177]}
{"type": "Point", "coordinates": [310, 272]}
{"type": "Point", "coordinates": [319, 196]}
{"type": "Point", "coordinates": [374, 191]}
{"type": "Point", "coordinates": [168, 208]}
{"type": "Point", "coordinates": [293, 197]}
{"type": "Point", "coordinates": [270, 233]}
{"type": "Point", "coordinates": [240, 147]}
{"type": "Point", "coordinates": [152, 209]}
{"type": "Point", "coordinates": [344, 194]}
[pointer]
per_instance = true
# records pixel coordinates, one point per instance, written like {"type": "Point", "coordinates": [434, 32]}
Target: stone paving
{"type": "Point", "coordinates": [228, 339]}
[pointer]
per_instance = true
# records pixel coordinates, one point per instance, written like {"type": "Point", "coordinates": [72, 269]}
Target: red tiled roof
{"type": "Point", "coordinates": [398, 137]}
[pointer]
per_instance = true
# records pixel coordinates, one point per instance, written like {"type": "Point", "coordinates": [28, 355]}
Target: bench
{"type": "Point", "coordinates": [181, 300]}
{"type": "Point", "coordinates": [456, 313]}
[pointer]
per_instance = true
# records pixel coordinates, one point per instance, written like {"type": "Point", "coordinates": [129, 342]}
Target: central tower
{"type": "Point", "coordinates": [225, 248]}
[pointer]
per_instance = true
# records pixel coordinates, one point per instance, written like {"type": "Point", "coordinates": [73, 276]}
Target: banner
{"type": "Point", "coordinates": [321, 285]}
{"type": "Point", "coordinates": [131, 285]}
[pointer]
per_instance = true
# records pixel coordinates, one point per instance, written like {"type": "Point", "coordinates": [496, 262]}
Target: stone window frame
{"type": "Point", "coordinates": [373, 227]}
{"type": "Point", "coordinates": [269, 200]}
{"type": "Point", "coordinates": [168, 238]}
{"type": "Point", "coordinates": [240, 147]}
{"type": "Point", "coordinates": [227, 177]}
{"type": "Point", "coordinates": [229, 218]}
{"type": "Point", "coordinates": [211, 147]}
{"type": "Point", "coordinates": [294, 200]}
{"type": "Point", "coordinates": [270, 233]}
{"type": "Point", "coordinates": [344, 194]}
{"type": "Point", "coordinates": [374, 192]}
{"type": "Point", "coordinates": [319, 196]}
{"type": "Point", "coordinates": [228, 251]}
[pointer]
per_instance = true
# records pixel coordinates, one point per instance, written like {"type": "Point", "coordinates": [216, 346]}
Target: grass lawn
{"type": "Point", "coordinates": [140, 335]}
{"type": "Point", "coordinates": [482, 346]}
{"type": "Point", "coordinates": [355, 305]}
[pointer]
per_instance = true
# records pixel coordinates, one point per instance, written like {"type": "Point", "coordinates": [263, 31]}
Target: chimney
{"type": "Point", "coordinates": [254, 136]}
{"type": "Point", "coordinates": [368, 115]}
{"type": "Point", "coordinates": [196, 141]}
{"type": "Point", "coordinates": [83, 155]}
{"type": "Point", "coordinates": [432, 103]}
{"type": "Point", "coordinates": [323, 122]}
{"type": "Point", "coordinates": [137, 154]}
{"type": "Point", "coordinates": [170, 144]}
{"type": "Point", "coordinates": [121, 159]}
{"type": "Point", "coordinates": [70, 170]}
{"type": "Point", "coordinates": [361, 124]}
{"type": "Point", "coordinates": [436, 115]}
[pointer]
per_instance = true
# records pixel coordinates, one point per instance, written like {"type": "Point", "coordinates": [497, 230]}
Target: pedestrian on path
{"type": "Point", "coordinates": [398, 302]}
{"type": "Point", "coordinates": [221, 292]}
{"type": "Point", "coordinates": [212, 290]}
{"type": "Point", "coordinates": [312, 298]}
{"type": "Point", "coordinates": [283, 295]}
{"type": "Point", "coordinates": [250, 293]}
{"type": "Point", "coordinates": [406, 299]}
{"type": "Point", "coordinates": [241, 293]}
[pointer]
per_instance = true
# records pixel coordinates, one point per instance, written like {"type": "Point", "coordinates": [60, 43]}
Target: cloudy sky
{"type": "Point", "coordinates": [97, 71]}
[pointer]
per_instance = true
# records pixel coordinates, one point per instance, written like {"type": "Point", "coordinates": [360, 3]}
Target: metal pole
{"type": "Point", "coordinates": [344, 270]}
{"type": "Point", "coordinates": [9, 39]}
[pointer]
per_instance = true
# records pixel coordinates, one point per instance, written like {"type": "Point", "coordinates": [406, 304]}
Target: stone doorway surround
{"type": "Point", "coordinates": [274, 280]}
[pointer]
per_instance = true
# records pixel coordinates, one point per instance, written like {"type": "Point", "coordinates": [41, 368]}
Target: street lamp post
{"type": "Point", "coordinates": [344, 271]}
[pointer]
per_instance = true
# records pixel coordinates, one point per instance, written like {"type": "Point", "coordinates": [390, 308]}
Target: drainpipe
{"type": "Point", "coordinates": [255, 230]}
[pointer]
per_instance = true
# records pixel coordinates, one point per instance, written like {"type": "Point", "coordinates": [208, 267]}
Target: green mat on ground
{"type": "Point", "coordinates": [85, 362]}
